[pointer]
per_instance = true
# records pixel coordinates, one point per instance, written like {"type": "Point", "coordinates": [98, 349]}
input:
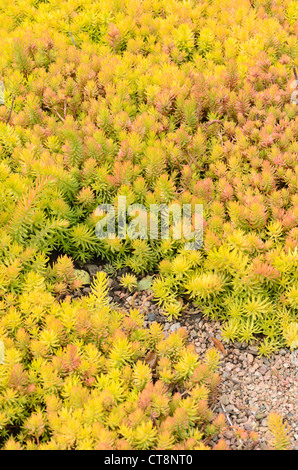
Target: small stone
{"type": "Point", "coordinates": [151, 317]}
{"type": "Point", "coordinates": [250, 358]}
{"type": "Point", "coordinates": [231, 409]}
{"type": "Point", "coordinates": [93, 269]}
{"type": "Point", "coordinates": [225, 400]}
{"type": "Point", "coordinates": [247, 426]}
{"type": "Point", "coordinates": [263, 370]}
{"type": "Point", "coordinates": [175, 327]}
{"type": "Point", "coordinates": [253, 350]}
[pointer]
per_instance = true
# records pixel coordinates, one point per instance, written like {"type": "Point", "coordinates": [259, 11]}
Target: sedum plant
{"type": "Point", "coordinates": [162, 102]}
{"type": "Point", "coordinates": [279, 432]}
{"type": "Point", "coordinates": [183, 103]}
{"type": "Point", "coordinates": [82, 375]}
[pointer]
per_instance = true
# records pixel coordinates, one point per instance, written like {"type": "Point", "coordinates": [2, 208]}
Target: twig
{"type": "Point", "coordinates": [228, 418]}
{"type": "Point", "coordinates": [132, 301]}
{"type": "Point", "coordinates": [62, 119]}
{"type": "Point", "coordinates": [285, 382]}
{"type": "Point", "coordinates": [55, 111]}
{"type": "Point", "coordinates": [214, 121]}
{"type": "Point", "coordinates": [123, 296]}
{"type": "Point", "coordinates": [71, 37]}
{"type": "Point", "coordinates": [186, 392]}
{"type": "Point", "coordinates": [226, 414]}
{"type": "Point", "coordinates": [193, 160]}
{"type": "Point", "coordinates": [295, 73]}
{"type": "Point", "coordinates": [221, 139]}
{"type": "Point", "coordinates": [146, 299]}
{"type": "Point", "coordinates": [10, 112]}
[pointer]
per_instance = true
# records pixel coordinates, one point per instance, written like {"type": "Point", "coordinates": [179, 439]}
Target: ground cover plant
{"type": "Point", "coordinates": [81, 375]}
{"type": "Point", "coordinates": [85, 375]}
{"type": "Point", "coordinates": [186, 102]}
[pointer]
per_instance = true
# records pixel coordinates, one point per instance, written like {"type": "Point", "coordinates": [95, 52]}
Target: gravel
{"type": "Point", "coordinates": [251, 386]}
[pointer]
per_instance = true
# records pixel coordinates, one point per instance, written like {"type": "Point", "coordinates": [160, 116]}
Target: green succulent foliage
{"type": "Point", "coordinates": [129, 282]}
{"type": "Point", "coordinates": [81, 375]}
{"type": "Point", "coordinates": [164, 103]}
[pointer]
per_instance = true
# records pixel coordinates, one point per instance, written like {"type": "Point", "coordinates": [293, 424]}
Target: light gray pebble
{"type": "Point", "coordinates": [225, 399]}
{"type": "Point", "coordinates": [250, 358]}
{"type": "Point", "coordinates": [175, 327]}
